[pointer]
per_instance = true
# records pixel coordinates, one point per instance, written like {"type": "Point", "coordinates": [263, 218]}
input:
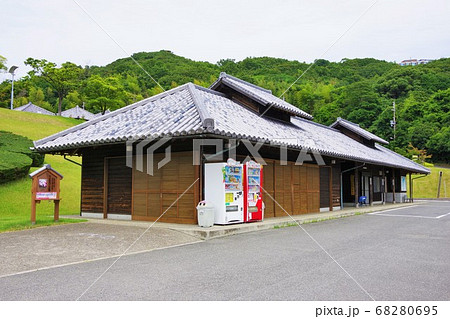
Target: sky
{"type": "Point", "coordinates": [99, 32]}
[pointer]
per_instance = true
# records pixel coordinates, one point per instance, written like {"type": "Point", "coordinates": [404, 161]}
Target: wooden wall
{"type": "Point", "coordinates": [154, 195]}
{"type": "Point", "coordinates": [325, 189]}
{"type": "Point", "coordinates": [118, 183]}
{"type": "Point", "coordinates": [336, 180]}
{"type": "Point", "coordinates": [92, 182]}
{"type": "Point", "coordinates": [296, 188]}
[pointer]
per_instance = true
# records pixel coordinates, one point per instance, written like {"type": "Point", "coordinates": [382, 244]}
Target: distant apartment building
{"type": "Point", "coordinates": [415, 62]}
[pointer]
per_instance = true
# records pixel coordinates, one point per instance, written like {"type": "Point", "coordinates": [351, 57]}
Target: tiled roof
{"type": "Point", "coordinates": [263, 96]}
{"type": "Point", "coordinates": [32, 108]}
{"type": "Point", "coordinates": [78, 113]}
{"type": "Point", "coordinates": [191, 110]}
{"type": "Point", "coordinates": [100, 114]}
{"type": "Point", "coordinates": [172, 112]}
{"type": "Point", "coordinates": [301, 133]}
{"type": "Point", "coordinates": [355, 128]}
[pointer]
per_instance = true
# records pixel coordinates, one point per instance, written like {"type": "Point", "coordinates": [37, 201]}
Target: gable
{"type": "Point", "coordinates": [357, 133]}
{"type": "Point", "coordinates": [256, 98]}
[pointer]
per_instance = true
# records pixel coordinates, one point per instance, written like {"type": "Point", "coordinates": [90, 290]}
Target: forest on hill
{"type": "Point", "coordinates": [360, 90]}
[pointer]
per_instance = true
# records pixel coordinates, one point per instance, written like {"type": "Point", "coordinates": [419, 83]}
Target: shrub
{"type": "Point", "coordinates": [16, 158]}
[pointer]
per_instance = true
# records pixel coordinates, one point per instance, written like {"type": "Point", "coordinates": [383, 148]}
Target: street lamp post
{"type": "Point", "coordinates": [11, 70]}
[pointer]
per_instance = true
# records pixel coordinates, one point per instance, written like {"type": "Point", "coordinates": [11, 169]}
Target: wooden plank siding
{"type": "Point", "coordinates": [325, 193]}
{"type": "Point", "coordinates": [156, 194]}
{"type": "Point", "coordinates": [296, 188]}
{"type": "Point", "coordinates": [336, 182]}
{"type": "Point", "coordinates": [92, 190]}
{"type": "Point", "coordinates": [119, 186]}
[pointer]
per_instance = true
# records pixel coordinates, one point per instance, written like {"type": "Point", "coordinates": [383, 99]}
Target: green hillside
{"type": "Point", "coordinates": [427, 187]}
{"type": "Point", "coordinates": [15, 196]}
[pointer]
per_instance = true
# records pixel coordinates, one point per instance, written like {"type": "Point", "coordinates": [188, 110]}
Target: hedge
{"type": "Point", "coordinates": [16, 158]}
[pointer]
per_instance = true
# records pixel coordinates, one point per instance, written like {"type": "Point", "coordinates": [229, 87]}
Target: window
{"type": "Point", "coordinates": [376, 184]}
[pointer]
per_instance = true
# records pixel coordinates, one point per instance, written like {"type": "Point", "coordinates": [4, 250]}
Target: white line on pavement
{"type": "Point", "coordinates": [443, 215]}
{"type": "Point", "coordinates": [416, 216]}
{"type": "Point", "coordinates": [97, 259]}
{"type": "Point", "coordinates": [390, 210]}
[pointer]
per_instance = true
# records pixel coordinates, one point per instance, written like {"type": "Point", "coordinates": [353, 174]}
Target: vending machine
{"type": "Point", "coordinates": [253, 204]}
{"type": "Point", "coordinates": [223, 189]}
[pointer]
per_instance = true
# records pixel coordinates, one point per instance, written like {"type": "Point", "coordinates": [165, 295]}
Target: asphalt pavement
{"type": "Point", "coordinates": [400, 254]}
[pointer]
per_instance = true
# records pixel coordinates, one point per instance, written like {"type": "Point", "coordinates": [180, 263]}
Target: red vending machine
{"type": "Point", "coordinates": [253, 204]}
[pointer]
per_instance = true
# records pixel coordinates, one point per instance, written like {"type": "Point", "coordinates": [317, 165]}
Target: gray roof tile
{"type": "Point", "coordinates": [32, 108]}
{"type": "Point", "coordinates": [259, 94]}
{"type": "Point", "coordinates": [78, 113]}
{"type": "Point", "coordinates": [355, 128]}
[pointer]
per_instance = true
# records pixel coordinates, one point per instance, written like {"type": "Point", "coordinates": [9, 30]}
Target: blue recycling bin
{"type": "Point", "coordinates": [362, 200]}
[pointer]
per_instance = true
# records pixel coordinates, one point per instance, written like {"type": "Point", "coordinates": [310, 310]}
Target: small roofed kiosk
{"type": "Point", "coordinates": [45, 185]}
{"type": "Point", "coordinates": [243, 121]}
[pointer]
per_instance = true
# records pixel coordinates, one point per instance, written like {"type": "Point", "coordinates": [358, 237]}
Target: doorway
{"type": "Point", "coordinates": [365, 186]}
{"type": "Point", "coordinates": [118, 185]}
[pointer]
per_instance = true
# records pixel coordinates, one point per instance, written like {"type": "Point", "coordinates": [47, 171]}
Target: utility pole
{"type": "Point", "coordinates": [395, 120]}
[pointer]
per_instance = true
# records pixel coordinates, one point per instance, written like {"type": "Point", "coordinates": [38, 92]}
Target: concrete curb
{"type": "Point", "coordinates": [278, 222]}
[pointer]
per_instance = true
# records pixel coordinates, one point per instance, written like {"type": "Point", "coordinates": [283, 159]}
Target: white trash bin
{"type": "Point", "coordinates": [205, 214]}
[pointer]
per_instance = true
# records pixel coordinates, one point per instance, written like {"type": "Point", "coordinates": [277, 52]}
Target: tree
{"type": "Point", "coordinates": [62, 80]}
{"type": "Point", "coordinates": [417, 154]}
{"type": "Point", "coordinates": [36, 96]}
{"type": "Point", "coordinates": [360, 103]}
{"type": "Point", "coordinates": [2, 63]}
{"type": "Point", "coordinates": [439, 145]}
{"type": "Point", "coordinates": [104, 93]}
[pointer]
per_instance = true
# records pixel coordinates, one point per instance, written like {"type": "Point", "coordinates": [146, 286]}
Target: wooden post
{"type": "Point", "coordinates": [33, 211]}
{"type": "Point", "coordinates": [371, 190]}
{"type": "Point", "coordinates": [393, 186]}
{"type": "Point", "coordinates": [105, 187]}
{"type": "Point", "coordinates": [439, 185]}
{"type": "Point", "coordinates": [411, 199]}
{"type": "Point", "coordinates": [356, 188]}
{"type": "Point", "coordinates": [383, 176]}
{"type": "Point", "coordinates": [56, 211]}
{"type": "Point", "coordinates": [331, 187]}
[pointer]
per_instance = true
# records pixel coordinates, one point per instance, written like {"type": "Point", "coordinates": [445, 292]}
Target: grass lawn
{"type": "Point", "coordinates": [15, 197]}
{"type": "Point", "coordinates": [426, 187]}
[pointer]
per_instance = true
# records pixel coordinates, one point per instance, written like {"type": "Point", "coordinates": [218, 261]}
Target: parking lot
{"type": "Point", "coordinates": [400, 254]}
{"type": "Point", "coordinates": [431, 210]}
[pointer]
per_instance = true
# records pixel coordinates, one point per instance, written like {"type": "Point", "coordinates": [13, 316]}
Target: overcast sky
{"type": "Point", "coordinates": [59, 30]}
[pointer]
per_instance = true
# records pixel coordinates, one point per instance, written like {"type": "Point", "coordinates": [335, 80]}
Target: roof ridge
{"type": "Point", "coordinates": [258, 94]}
{"type": "Point", "coordinates": [105, 116]}
{"type": "Point", "coordinates": [358, 130]}
{"type": "Point", "coordinates": [349, 122]}
{"type": "Point", "coordinates": [208, 90]}
{"type": "Point", "coordinates": [225, 75]}
{"type": "Point", "coordinates": [315, 123]}
{"type": "Point", "coordinates": [205, 117]}
{"type": "Point", "coordinates": [391, 151]}
{"type": "Point", "coordinates": [46, 166]}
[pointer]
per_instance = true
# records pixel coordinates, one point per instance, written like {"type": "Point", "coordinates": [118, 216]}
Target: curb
{"type": "Point", "coordinates": [228, 230]}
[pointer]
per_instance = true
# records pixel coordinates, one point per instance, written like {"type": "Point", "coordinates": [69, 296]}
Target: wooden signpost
{"type": "Point", "coordinates": [45, 186]}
